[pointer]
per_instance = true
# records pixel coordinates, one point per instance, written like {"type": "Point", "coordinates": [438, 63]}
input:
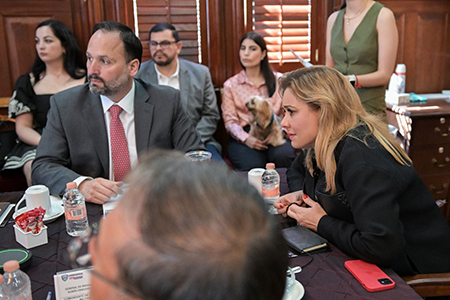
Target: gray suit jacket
{"type": "Point", "coordinates": [197, 95]}
{"type": "Point", "coordinates": [75, 142]}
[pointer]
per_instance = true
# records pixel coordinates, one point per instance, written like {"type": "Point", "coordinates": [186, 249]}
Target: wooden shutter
{"type": "Point", "coordinates": [284, 24]}
{"type": "Point", "coordinates": [180, 13]}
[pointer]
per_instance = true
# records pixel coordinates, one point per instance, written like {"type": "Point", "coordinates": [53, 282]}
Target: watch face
{"type": "Point", "coordinates": [352, 79]}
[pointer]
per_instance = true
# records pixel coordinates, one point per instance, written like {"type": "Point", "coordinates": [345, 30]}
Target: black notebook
{"type": "Point", "coordinates": [303, 240]}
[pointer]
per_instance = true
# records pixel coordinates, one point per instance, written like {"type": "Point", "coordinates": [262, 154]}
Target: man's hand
{"type": "Point", "coordinates": [254, 143]}
{"type": "Point", "coordinates": [100, 190]}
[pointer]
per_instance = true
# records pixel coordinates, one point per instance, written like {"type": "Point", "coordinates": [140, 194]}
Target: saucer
{"type": "Point", "coordinates": [296, 292]}
{"type": "Point", "coordinates": [57, 209]}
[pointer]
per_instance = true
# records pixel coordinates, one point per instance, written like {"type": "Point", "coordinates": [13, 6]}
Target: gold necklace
{"type": "Point", "coordinates": [347, 19]}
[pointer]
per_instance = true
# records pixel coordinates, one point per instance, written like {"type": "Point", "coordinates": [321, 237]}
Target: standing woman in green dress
{"type": "Point", "coordinates": [362, 42]}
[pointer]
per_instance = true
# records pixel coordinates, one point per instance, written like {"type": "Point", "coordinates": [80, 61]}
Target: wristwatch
{"type": "Point", "coordinates": [352, 79]}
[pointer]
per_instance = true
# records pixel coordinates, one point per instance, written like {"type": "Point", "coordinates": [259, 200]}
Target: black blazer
{"type": "Point", "coordinates": [382, 212]}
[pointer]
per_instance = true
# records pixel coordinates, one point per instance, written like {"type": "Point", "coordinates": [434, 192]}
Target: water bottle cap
{"type": "Point", "coordinates": [71, 185]}
{"type": "Point", "coordinates": [11, 266]}
{"type": "Point", "coordinates": [401, 68]}
{"type": "Point", "coordinates": [270, 166]}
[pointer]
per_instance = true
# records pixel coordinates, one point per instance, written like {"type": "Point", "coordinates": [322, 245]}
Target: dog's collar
{"type": "Point", "coordinates": [270, 123]}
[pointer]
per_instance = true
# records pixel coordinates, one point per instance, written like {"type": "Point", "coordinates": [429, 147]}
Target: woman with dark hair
{"type": "Point", "coordinates": [256, 79]}
{"type": "Point", "coordinates": [355, 185]}
{"type": "Point", "coordinates": [58, 66]}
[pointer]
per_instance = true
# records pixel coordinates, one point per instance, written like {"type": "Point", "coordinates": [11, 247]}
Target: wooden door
{"type": "Point", "coordinates": [424, 43]}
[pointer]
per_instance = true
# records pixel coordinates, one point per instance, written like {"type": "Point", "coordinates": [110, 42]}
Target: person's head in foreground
{"type": "Point", "coordinates": [188, 230]}
{"type": "Point", "coordinates": [321, 107]}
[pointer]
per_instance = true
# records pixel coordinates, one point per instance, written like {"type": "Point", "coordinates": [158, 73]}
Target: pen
{"type": "Point", "coordinates": [49, 296]}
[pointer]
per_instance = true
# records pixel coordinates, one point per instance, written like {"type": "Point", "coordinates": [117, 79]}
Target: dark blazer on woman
{"type": "Point", "coordinates": [382, 212]}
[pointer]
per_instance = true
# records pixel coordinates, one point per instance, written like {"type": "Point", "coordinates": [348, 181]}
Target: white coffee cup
{"type": "Point", "coordinates": [254, 178]}
{"type": "Point", "coordinates": [290, 280]}
{"type": "Point", "coordinates": [35, 196]}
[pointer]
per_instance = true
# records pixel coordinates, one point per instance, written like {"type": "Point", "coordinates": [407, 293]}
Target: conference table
{"type": "Point", "coordinates": [323, 276]}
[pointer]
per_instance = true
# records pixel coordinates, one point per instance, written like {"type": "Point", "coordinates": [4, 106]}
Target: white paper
{"type": "Point", "coordinates": [302, 61]}
{"type": "Point", "coordinates": [73, 284]}
{"type": "Point", "coordinates": [112, 203]}
{"type": "Point", "coordinates": [109, 206]}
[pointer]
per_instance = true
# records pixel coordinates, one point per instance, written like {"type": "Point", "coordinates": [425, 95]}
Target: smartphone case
{"type": "Point", "coordinates": [371, 277]}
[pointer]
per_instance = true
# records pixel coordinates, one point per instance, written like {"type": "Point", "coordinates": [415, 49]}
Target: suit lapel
{"type": "Point", "coordinates": [185, 84]}
{"type": "Point", "coordinates": [95, 120]}
{"type": "Point", "coordinates": [152, 75]}
{"type": "Point", "coordinates": [143, 118]}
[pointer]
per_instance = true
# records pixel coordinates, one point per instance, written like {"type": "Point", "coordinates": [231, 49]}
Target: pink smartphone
{"type": "Point", "coordinates": [371, 277]}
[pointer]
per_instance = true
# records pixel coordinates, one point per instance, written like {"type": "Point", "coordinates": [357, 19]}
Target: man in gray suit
{"type": "Point", "coordinates": [75, 144]}
{"type": "Point", "coordinates": [193, 80]}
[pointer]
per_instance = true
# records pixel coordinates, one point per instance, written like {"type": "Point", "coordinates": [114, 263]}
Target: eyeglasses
{"type": "Point", "coordinates": [80, 258]}
{"type": "Point", "coordinates": [163, 44]}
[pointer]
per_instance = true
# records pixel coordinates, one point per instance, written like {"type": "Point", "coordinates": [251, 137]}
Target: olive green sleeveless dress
{"type": "Point", "coordinates": [360, 56]}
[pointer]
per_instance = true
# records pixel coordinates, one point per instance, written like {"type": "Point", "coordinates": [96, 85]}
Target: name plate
{"type": "Point", "coordinates": [73, 284]}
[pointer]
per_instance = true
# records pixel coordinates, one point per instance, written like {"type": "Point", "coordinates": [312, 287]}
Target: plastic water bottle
{"type": "Point", "coordinates": [270, 182]}
{"type": "Point", "coordinates": [75, 210]}
{"type": "Point", "coordinates": [400, 71]}
{"type": "Point", "coordinates": [4, 290]}
{"type": "Point", "coordinates": [17, 283]}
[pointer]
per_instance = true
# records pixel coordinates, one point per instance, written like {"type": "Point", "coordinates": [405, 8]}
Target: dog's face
{"type": "Point", "coordinates": [260, 110]}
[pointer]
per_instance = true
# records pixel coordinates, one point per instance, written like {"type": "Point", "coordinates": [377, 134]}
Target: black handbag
{"type": "Point", "coordinates": [8, 139]}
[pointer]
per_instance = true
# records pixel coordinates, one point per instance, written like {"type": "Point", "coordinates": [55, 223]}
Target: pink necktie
{"type": "Point", "coordinates": [119, 145]}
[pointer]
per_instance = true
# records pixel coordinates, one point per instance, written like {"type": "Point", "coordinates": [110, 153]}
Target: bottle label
{"type": "Point", "coordinates": [275, 192]}
{"type": "Point", "coordinates": [76, 213]}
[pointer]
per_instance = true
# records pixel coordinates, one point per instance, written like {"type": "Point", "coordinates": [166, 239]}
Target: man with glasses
{"type": "Point", "coordinates": [187, 230]}
{"type": "Point", "coordinates": [193, 80]}
{"type": "Point", "coordinates": [96, 132]}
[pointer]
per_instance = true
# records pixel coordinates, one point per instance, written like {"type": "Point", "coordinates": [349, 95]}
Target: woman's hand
{"type": "Point", "coordinates": [308, 217]}
{"type": "Point", "coordinates": [254, 143]}
{"type": "Point", "coordinates": [282, 202]}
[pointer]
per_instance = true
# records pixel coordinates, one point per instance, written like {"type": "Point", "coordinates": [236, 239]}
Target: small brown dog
{"type": "Point", "coordinates": [263, 121]}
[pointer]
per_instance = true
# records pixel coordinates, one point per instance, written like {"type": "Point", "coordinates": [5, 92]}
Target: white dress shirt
{"type": "Point", "coordinates": [127, 118]}
{"type": "Point", "coordinates": [173, 80]}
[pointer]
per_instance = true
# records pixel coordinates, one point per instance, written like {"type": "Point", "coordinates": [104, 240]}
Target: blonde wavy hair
{"type": "Point", "coordinates": [328, 91]}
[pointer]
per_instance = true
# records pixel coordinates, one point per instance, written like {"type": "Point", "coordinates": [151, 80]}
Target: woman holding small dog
{"type": "Point", "coordinates": [245, 150]}
{"type": "Point", "coordinates": [355, 185]}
